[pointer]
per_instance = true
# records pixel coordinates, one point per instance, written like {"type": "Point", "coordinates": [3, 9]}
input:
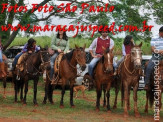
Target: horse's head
{"type": "Point", "coordinates": [108, 60]}
{"type": "Point", "coordinates": [136, 55]}
{"type": "Point", "coordinates": [45, 56]}
{"type": "Point", "coordinates": [80, 56]}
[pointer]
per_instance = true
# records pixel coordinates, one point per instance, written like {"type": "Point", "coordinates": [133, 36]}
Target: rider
{"type": "Point", "coordinates": [157, 54]}
{"type": "Point", "coordinates": [29, 47]}
{"type": "Point", "coordinates": [2, 64]}
{"type": "Point", "coordinates": [126, 49]}
{"type": "Point", "coordinates": [60, 44]}
{"type": "Point", "coordinates": [103, 41]}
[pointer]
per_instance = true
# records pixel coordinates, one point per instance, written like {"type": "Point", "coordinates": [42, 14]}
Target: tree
{"type": "Point", "coordinates": [126, 12]}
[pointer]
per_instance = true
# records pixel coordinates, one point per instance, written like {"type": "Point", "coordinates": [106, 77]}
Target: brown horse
{"type": "Point", "coordinates": [103, 76]}
{"type": "Point", "coordinates": [129, 75]}
{"type": "Point", "coordinates": [67, 72]}
{"type": "Point", "coordinates": [4, 67]}
{"type": "Point", "coordinates": [154, 93]}
{"type": "Point", "coordinates": [31, 72]}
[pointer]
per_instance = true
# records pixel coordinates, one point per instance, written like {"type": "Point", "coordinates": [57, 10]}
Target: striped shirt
{"type": "Point", "coordinates": [157, 42]}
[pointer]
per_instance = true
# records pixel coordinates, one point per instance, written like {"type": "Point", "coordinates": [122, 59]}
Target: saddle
{"type": "Point", "coordinates": [57, 63]}
{"type": "Point", "coordinates": [21, 61]}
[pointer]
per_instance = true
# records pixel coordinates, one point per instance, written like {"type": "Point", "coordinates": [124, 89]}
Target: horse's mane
{"type": "Point", "coordinates": [68, 56]}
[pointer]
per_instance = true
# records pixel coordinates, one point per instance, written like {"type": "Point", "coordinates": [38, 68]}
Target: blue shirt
{"type": "Point", "coordinates": [157, 42]}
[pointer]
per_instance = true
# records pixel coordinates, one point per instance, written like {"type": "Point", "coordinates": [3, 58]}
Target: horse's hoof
{"type": "Point", "coordinates": [15, 102]}
{"type": "Point", "coordinates": [36, 105]}
{"type": "Point", "coordinates": [44, 102]}
{"type": "Point", "coordinates": [52, 103]}
{"type": "Point", "coordinates": [61, 106]}
{"type": "Point", "coordinates": [114, 107]}
{"type": "Point", "coordinates": [24, 104]}
{"type": "Point", "coordinates": [126, 115]}
{"type": "Point", "coordinates": [73, 106]}
{"type": "Point", "coordinates": [4, 97]}
{"type": "Point", "coordinates": [97, 109]}
{"type": "Point", "coordinates": [137, 115]}
{"type": "Point", "coordinates": [109, 111]}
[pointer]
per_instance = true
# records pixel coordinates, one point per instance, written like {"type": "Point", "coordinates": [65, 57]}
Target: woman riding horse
{"type": "Point", "coordinates": [60, 44]}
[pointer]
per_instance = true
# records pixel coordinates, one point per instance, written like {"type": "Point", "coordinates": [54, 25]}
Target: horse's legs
{"type": "Point", "coordinates": [125, 98]}
{"type": "Point", "coordinates": [35, 91]}
{"type": "Point", "coordinates": [116, 95]}
{"type": "Point", "coordinates": [104, 102]}
{"type": "Point", "coordinates": [71, 93]}
{"type": "Point", "coordinates": [108, 96]}
{"type": "Point", "coordinates": [135, 100]}
{"type": "Point", "coordinates": [46, 92]}
{"type": "Point", "coordinates": [15, 88]}
{"type": "Point", "coordinates": [62, 93]}
{"type": "Point", "coordinates": [21, 92]}
{"type": "Point", "coordinates": [4, 86]}
{"type": "Point", "coordinates": [128, 104]}
{"type": "Point", "coordinates": [146, 106]}
{"type": "Point", "coordinates": [25, 92]}
{"type": "Point", "coordinates": [98, 91]}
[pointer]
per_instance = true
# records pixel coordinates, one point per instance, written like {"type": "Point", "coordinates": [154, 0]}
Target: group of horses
{"type": "Point", "coordinates": [128, 76]}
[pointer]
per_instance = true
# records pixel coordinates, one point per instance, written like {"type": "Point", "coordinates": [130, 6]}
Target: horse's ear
{"type": "Point", "coordinates": [84, 46]}
{"type": "Point", "coordinates": [140, 44]}
{"type": "Point", "coordinates": [76, 46]}
{"type": "Point", "coordinates": [132, 44]}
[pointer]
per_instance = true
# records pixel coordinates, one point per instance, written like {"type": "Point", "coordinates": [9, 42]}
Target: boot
{"type": "Point", "coordinates": [2, 69]}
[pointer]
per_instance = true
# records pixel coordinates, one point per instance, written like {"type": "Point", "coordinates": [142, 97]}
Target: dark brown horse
{"type": "Point", "coordinates": [103, 76]}
{"type": "Point", "coordinates": [67, 72]}
{"type": "Point", "coordinates": [154, 93]}
{"type": "Point", "coordinates": [130, 76]}
{"type": "Point", "coordinates": [31, 72]}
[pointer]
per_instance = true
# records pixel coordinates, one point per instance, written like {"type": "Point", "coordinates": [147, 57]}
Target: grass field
{"type": "Point", "coordinates": [84, 110]}
{"type": "Point", "coordinates": [46, 40]}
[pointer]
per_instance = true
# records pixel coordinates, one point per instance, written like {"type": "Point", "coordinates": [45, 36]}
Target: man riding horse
{"type": "Point", "coordinates": [103, 41]}
{"type": "Point", "coordinates": [157, 54]}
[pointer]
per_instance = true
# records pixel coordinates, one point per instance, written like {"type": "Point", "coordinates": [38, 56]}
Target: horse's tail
{"type": "Point", "coordinates": [122, 94]}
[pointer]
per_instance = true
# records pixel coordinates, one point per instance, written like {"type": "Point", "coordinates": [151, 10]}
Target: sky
{"type": "Point", "coordinates": [57, 21]}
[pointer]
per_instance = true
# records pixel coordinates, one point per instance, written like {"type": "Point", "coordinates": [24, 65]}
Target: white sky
{"type": "Point", "coordinates": [57, 21]}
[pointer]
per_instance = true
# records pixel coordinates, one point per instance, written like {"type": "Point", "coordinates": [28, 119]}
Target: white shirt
{"type": "Point", "coordinates": [94, 43]}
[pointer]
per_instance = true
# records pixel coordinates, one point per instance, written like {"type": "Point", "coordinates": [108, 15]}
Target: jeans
{"type": "Point", "coordinates": [92, 65]}
{"type": "Point", "coordinates": [119, 62]}
{"type": "Point", "coordinates": [149, 70]}
{"type": "Point", "coordinates": [52, 59]}
{"type": "Point", "coordinates": [16, 58]}
{"type": "Point", "coordinates": [1, 60]}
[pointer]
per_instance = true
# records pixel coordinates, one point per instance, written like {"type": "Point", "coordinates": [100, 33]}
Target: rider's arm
{"type": "Point", "coordinates": [111, 44]}
{"type": "Point", "coordinates": [123, 50]}
{"type": "Point", "coordinates": [67, 47]}
{"type": "Point", "coordinates": [25, 48]}
{"type": "Point", "coordinates": [93, 45]}
{"type": "Point", "coordinates": [53, 42]}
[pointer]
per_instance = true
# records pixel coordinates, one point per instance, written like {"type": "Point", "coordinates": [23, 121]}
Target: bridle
{"type": "Point", "coordinates": [131, 72]}
{"type": "Point", "coordinates": [43, 63]}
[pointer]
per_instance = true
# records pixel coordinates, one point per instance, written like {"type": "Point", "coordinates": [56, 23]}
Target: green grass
{"type": "Point", "coordinates": [46, 41]}
{"type": "Point", "coordinates": [84, 110]}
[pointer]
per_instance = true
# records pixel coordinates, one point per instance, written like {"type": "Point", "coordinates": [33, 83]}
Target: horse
{"type": "Point", "coordinates": [154, 93]}
{"type": "Point", "coordinates": [31, 72]}
{"type": "Point", "coordinates": [5, 68]}
{"type": "Point", "coordinates": [103, 76]}
{"type": "Point", "coordinates": [67, 72]}
{"type": "Point", "coordinates": [129, 76]}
